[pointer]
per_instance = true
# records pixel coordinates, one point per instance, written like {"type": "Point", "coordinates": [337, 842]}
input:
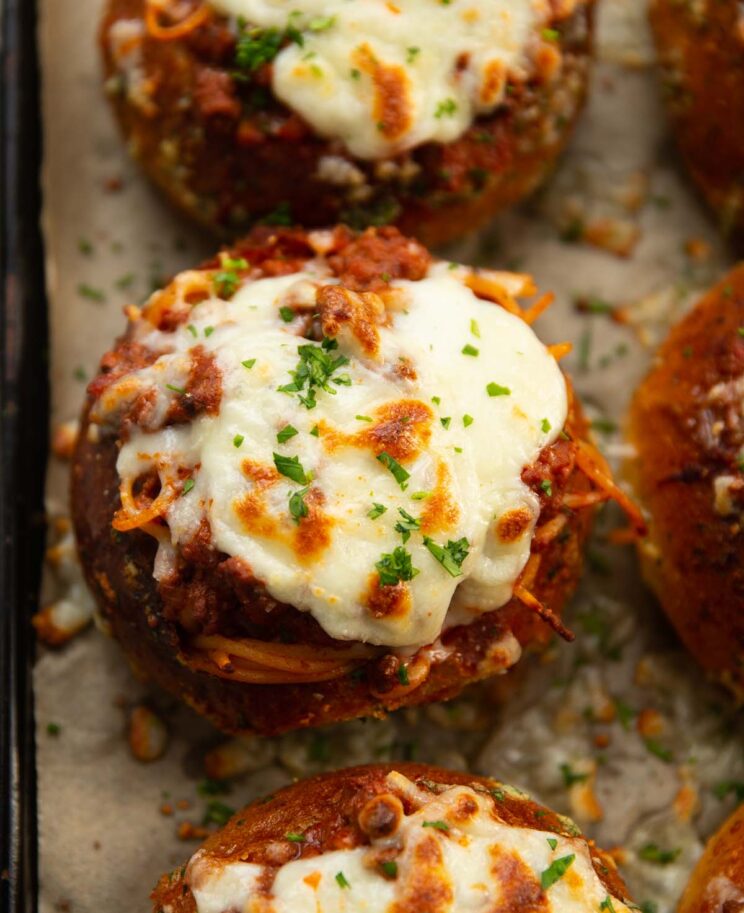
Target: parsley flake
{"type": "Point", "coordinates": [292, 469]}
{"type": "Point", "coordinates": [297, 507]}
{"type": "Point", "coordinates": [395, 566]}
{"type": "Point", "coordinates": [474, 328]}
{"type": "Point", "coordinates": [494, 389]}
{"type": "Point", "coordinates": [651, 853]}
{"type": "Point", "coordinates": [403, 674]}
{"type": "Point", "coordinates": [439, 825]}
{"type": "Point", "coordinates": [406, 525]}
{"type": "Point", "coordinates": [287, 432]}
{"type": "Point", "coordinates": [175, 389]}
{"type": "Point", "coordinates": [400, 474]}
{"type": "Point", "coordinates": [342, 880]}
{"type": "Point", "coordinates": [451, 555]}
{"type": "Point", "coordinates": [555, 871]}
{"type": "Point", "coordinates": [377, 510]}
{"type": "Point", "coordinates": [238, 440]}
{"type": "Point", "coordinates": [545, 426]}
{"type": "Point", "coordinates": [446, 108]}
{"type": "Point", "coordinates": [389, 868]}
{"type": "Point", "coordinates": [248, 363]}
{"type": "Point", "coordinates": [294, 837]}
{"type": "Point", "coordinates": [187, 486]}
{"type": "Point", "coordinates": [552, 842]}
{"type": "Point", "coordinates": [287, 314]}
{"type": "Point", "coordinates": [470, 350]}
{"type": "Point", "coordinates": [314, 372]}
{"type": "Point", "coordinates": [467, 420]}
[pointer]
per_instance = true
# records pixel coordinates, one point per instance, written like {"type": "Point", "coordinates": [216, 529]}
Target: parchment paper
{"type": "Point", "coordinates": [103, 837]}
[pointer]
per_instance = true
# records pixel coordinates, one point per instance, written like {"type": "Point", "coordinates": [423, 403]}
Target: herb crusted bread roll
{"type": "Point", "coordinates": [407, 838]}
{"type": "Point", "coordinates": [325, 476]}
{"type": "Point", "coordinates": [429, 115]}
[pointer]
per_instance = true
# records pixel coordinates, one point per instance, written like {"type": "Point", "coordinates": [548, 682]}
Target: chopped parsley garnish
{"type": "Point", "coordinates": [451, 555]}
{"type": "Point", "coordinates": [281, 215]}
{"type": "Point", "coordinates": [192, 329]}
{"type": "Point", "coordinates": [85, 247]}
{"type": "Point", "coordinates": [217, 813]}
{"type": "Point", "coordinates": [400, 474]}
{"type": "Point", "coordinates": [545, 426]}
{"type": "Point", "coordinates": [395, 566]}
{"type": "Point", "coordinates": [436, 400]}
{"type": "Point", "coordinates": [211, 787]}
{"type": "Point", "coordinates": [474, 328]}
{"type": "Point", "coordinates": [292, 469]}
{"type": "Point", "coordinates": [651, 853]}
{"type": "Point", "coordinates": [419, 495]}
{"type": "Point", "coordinates": [377, 510]}
{"type": "Point", "coordinates": [446, 108]}
{"type": "Point", "coordinates": [470, 350]}
{"type": "Point", "coordinates": [53, 729]}
{"type": "Point", "coordinates": [403, 674]}
{"type": "Point", "coordinates": [439, 825]}
{"type": "Point", "coordinates": [248, 363]}
{"type": "Point", "coordinates": [297, 507]}
{"type": "Point", "coordinates": [227, 279]}
{"type": "Point", "coordinates": [446, 421]}
{"type": "Point", "coordinates": [625, 713]}
{"type": "Point", "coordinates": [550, 34]}
{"type": "Point", "coordinates": [498, 794]}
{"type": "Point", "coordinates": [256, 47]}
{"type": "Point", "coordinates": [93, 294]}
{"type": "Point", "coordinates": [494, 389]}
{"type": "Point", "coordinates": [412, 54]}
{"type": "Point", "coordinates": [467, 420]}
{"type": "Point", "coordinates": [607, 905]}
{"type": "Point", "coordinates": [238, 440]}
{"type": "Point", "coordinates": [726, 787]}
{"type": "Point", "coordinates": [187, 486]}
{"type": "Point", "coordinates": [552, 842]}
{"type": "Point", "coordinates": [570, 776]}
{"type": "Point", "coordinates": [555, 871]}
{"type": "Point", "coordinates": [314, 372]}
{"type": "Point", "coordinates": [406, 525]}
{"type": "Point", "coordinates": [208, 331]}
{"type": "Point", "coordinates": [547, 486]}
{"type": "Point", "coordinates": [321, 23]}
{"type": "Point", "coordinates": [287, 314]}
{"type": "Point", "coordinates": [286, 433]}
{"type": "Point", "coordinates": [294, 837]}
{"type": "Point", "coordinates": [604, 425]}
{"type": "Point", "coordinates": [125, 282]}
{"type": "Point", "coordinates": [389, 868]}
{"type": "Point", "coordinates": [342, 880]}
{"type": "Point", "coordinates": [175, 389]}
{"type": "Point", "coordinates": [656, 748]}
{"type": "Point", "coordinates": [315, 431]}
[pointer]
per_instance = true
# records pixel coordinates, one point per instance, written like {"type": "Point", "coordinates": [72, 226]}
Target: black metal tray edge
{"type": "Point", "coordinates": [23, 445]}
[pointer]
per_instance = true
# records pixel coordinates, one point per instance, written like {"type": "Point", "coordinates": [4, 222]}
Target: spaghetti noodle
{"type": "Point", "coordinates": [154, 11]}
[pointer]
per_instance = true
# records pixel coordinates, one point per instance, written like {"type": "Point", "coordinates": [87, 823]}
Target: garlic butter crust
{"type": "Point", "coordinates": [395, 839]}
{"type": "Point", "coordinates": [687, 424]}
{"type": "Point", "coordinates": [429, 114]}
{"type": "Point", "coordinates": [324, 464]}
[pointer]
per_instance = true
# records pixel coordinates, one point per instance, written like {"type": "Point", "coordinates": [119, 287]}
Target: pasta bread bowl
{"type": "Point", "coordinates": [325, 476]}
{"type": "Point", "coordinates": [432, 116]}
{"type": "Point", "coordinates": [408, 837]}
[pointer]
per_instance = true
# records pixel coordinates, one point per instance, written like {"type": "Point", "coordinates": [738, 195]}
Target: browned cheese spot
{"type": "Point", "coordinates": [307, 539]}
{"type": "Point", "coordinates": [392, 107]}
{"type": "Point", "coordinates": [440, 508]}
{"type": "Point", "coordinates": [401, 428]}
{"type": "Point", "coordinates": [494, 77]}
{"type": "Point", "coordinates": [393, 601]}
{"type": "Point", "coordinates": [513, 524]}
{"type": "Point", "coordinates": [427, 886]}
{"type": "Point", "coordinates": [356, 312]}
{"type": "Point", "coordinates": [520, 891]}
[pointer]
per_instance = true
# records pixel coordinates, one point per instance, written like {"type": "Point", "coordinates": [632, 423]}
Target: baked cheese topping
{"type": "Point", "coordinates": [451, 849]}
{"type": "Point", "coordinates": [372, 477]}
{"type": "Point", "coordinates": [384, 76]}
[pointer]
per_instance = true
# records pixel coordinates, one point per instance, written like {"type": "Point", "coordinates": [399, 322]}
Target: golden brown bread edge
{"type": "Point", "coordinates": [192, 152]}
{"type": "Point", "coordinates": [717, 881]}
{"type": "Point", "coordinates": [326, 808]}
{"type": "Point", "coordinates": [701, 54]}
{"type": "Point", "coordinates": [693, 558]}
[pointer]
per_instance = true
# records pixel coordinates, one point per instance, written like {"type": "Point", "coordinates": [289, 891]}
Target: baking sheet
{"type": "Point", "coordinates": [109, 824]}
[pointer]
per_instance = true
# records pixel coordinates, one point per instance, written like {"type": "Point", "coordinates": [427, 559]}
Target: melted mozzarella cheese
{"type": "Point", "coordinates": [382, 76]}
{"type": "Point", "coordinates": [466, 452]}
{"type": "Point", "coordinates": [471, 863]}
